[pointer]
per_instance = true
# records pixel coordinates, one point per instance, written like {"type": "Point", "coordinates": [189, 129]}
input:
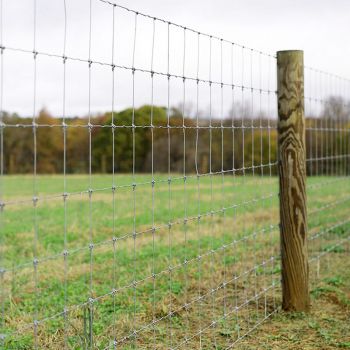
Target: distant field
{"type": "Point", "coordinates": [214, 232]}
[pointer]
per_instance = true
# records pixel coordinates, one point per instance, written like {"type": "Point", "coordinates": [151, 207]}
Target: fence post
{"type": "Point", "coordinates": [292, 177]}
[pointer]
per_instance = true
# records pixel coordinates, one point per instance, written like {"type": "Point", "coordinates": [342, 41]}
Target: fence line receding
{"type": "Point", "coordinates": [139, 201]}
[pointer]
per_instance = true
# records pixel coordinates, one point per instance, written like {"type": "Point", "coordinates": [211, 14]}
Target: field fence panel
{"type": "Point", "coordinates": [177, 245]}
{"type": "Point", "coordinates": [327, 109]}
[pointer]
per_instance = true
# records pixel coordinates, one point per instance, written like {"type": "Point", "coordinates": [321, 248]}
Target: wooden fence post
{"type": "Point", "coordinates": [292, 177]}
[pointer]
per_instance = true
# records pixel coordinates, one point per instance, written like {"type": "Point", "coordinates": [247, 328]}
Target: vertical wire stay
{"type": "Point", "coordinates": [90, 308]}
{"type": "Point", "coordinates": [244, 147]}
{"type": "Point", "coordinates": [134, 182]}
{"type": "Point", "coordinates": [234, 248]}
{"type": "Point", "coordinates": [153, 189]}
{"type": "Point", "coordinates": [114, 238]}
{"type": "Point", "coordinates": [261, 183]}
{"type": "Point", "coordinates": [272, 250]}
{"type": "Point", "coordinates": [200, 307]}
{"type": "Point", "coordinates": [223, 209]}
{"type": "Point", "coordinates": [65, 193]}
{"type": "Point", "coordinates": [170, 315]}
{"type": "Point", "coordinates": [254, 242]}
{"type": "Point", "coordinates": [212, 292]}
{"type": "Point", "coordinates": [185, 184]}
{"type": "Point", "coordinates": [35, 191]}
{"type": "Point", "coordinates": [172, 238]}
{"type": "Point", "coordinates": [262, 178]}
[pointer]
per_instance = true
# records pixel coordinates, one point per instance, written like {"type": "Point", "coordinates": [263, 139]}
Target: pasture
{"type": "Point", "coordinates": [155, 261]}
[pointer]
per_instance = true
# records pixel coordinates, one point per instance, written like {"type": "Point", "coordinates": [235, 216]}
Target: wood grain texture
{"type": "Point", "coordinates": [292, 176]}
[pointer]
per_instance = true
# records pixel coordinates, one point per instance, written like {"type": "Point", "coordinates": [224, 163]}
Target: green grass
{"type": "Point", "coordinates": [326, 326]}
{"type": "Point", "coordinates": [220, 210]}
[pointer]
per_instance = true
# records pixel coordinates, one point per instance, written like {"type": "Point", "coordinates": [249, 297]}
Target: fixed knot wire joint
{"type": "Point", "coordinates": [65, 195]}
{"type": "Point", "coordinates": [34, 126]}
{"type": "Point", "coordinates": [35, 200]}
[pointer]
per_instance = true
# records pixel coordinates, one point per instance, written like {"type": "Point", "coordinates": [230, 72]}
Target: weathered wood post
{"type": "Point", "coordinates": [292, 177]}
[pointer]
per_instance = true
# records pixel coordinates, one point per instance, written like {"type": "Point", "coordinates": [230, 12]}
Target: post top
{"type": "Point", "coordinates": [296, 52]}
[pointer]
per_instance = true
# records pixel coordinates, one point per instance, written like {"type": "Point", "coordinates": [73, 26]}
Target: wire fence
{"type": "Point", "coordinates": [160, 227]}
{"type": "Point", "coordinates": [328, 151]}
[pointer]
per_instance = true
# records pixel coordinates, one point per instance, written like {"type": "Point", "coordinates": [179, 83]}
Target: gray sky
{"type": "Point", "coordinates": [319, 27]}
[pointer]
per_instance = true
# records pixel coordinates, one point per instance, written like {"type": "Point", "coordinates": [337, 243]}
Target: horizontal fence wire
{"type": "Point", "coordinates": [158, 226]}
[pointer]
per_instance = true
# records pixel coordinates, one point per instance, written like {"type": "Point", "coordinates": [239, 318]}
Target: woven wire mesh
{"type": "Point", "coordinates": [327, 112]}
{"type": "Point", "coordinates": [177, 245]}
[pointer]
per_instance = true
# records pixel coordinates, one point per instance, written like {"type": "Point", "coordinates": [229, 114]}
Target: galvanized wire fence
{"type": "Point", "coordinates": [176, 245]}
{"type": "Point", "coordinates": [327, 111]}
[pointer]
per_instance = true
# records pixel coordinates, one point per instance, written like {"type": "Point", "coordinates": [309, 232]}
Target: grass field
{"type": "Point", "coordinates": [153, 263]}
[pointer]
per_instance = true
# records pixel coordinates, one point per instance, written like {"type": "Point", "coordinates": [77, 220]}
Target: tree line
{"type": "Point", "coordinates": [151, 137]}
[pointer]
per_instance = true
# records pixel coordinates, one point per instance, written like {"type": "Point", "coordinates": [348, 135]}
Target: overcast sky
{"type": "Point", "coordinates": [319, 27]}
